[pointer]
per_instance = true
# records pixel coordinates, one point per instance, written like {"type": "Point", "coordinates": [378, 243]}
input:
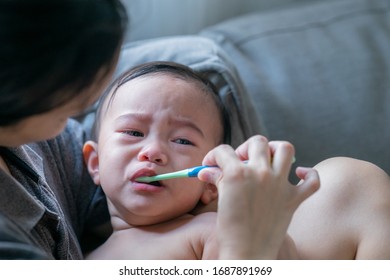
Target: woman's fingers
{"type": "Point", "coordinates": [259, 154]}
{"type": "Point", "coordinates": [256, 150]}
{"type": "Point", "coordinates": [282, 156]}
{"type": "Point", "coordinates": [225, 158]}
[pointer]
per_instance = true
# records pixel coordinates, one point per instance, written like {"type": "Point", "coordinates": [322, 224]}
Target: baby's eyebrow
{"type": "Point", "coordinates": [187, 123]}
{"type": "Point", "coordinates": [135, 116]}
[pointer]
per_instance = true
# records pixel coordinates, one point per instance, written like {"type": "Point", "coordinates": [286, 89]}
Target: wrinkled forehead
{"type": "Point", "coordinates": [150, 84]}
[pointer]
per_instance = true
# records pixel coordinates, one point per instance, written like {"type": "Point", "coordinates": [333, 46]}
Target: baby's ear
{"type": "Point", "coordinates": [210, 194]}
{"type": "Point", "coordinates": [91, 158]}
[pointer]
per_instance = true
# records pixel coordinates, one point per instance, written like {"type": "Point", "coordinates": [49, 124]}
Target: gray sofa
{"type": "Point", "coordinates": [316, 75]}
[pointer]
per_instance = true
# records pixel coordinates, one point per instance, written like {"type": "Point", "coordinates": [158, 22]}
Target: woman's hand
{"type": "Point", "coordinates": [256, 201]}
{"type": "Point", "coordinates": [288, 250]}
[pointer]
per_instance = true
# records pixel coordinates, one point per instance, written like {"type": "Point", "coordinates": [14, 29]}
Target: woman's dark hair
{"type": "Point", "coordinates": [177, 70]}
{"type": "Point", "coordinates": [53, 49]}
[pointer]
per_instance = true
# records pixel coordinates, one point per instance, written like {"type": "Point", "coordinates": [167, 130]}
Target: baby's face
{"type": "Point", "coordinates": [154, 125]}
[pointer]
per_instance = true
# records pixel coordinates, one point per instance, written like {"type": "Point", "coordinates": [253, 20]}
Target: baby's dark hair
{"type": "Point", "coordinates": [51, 50]}
{"type": "Point", "coordinates": [176, 70]}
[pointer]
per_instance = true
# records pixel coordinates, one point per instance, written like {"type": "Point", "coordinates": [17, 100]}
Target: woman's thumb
{"type": "Point", "coordinates": [210, 175]}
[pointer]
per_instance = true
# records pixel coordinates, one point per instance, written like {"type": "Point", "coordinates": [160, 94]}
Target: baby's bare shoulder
{"type": "Point", "coordinates": [206, 218]}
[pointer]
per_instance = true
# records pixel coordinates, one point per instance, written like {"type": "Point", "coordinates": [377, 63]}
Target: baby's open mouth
{"type": "Point", "coordinates": [155, 183]}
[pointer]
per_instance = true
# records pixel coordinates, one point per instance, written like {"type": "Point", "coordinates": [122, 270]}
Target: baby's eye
{"type": "Point", "coordinates": [182, 141]}
{"type": "Point", "coordinates": [133, 133]}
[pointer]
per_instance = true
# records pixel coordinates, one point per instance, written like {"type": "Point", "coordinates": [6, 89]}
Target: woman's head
{"type": "Point", "coordinates": [52, 52]}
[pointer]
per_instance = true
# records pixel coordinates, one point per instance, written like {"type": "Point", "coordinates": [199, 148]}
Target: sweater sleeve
{"type": "Point", "coordinates": [14, 244]}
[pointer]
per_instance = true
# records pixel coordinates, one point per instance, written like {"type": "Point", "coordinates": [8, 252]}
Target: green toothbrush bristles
{"type": "Point", "coordinates": [144, 179]}
{"type": "Point", "coordinates": [173, 175]}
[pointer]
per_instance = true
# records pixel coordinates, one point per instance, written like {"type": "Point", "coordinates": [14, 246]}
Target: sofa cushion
{"type": "Point", "coordinates": [318, 76]}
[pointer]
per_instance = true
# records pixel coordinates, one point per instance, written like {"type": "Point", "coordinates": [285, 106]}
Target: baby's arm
{"type": "Point", "coordinates": [349, 217]}
{"type": "Point", "coordinates": [208, 242]}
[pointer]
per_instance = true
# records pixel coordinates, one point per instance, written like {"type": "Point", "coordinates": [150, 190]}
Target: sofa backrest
{"type": "Point", "coordinates": [318, 76]}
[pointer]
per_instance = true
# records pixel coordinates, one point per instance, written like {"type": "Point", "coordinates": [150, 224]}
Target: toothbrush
{"type": "Point", "coordinates": [185, 173]}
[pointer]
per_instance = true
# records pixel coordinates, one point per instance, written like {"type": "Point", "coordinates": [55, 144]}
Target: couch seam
{"type": "Point", "coordinates": [311, 25]}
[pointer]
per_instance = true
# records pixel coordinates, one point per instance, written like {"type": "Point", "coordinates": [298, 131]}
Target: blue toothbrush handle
{"type": "Point", "coordinates": [193, 172]}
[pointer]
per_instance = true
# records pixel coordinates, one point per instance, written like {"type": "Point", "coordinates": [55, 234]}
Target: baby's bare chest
{"type": "Point", "coordinates": [149, 243]}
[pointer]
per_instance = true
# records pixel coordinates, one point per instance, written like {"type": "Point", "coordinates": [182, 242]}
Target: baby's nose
{"type": "Point", "coordinates": [154, 153]}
